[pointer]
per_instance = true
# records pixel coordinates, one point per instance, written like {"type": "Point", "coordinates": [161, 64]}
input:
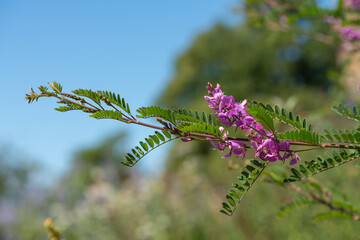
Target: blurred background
{"type": "Point", "coordinates": [67, 166]}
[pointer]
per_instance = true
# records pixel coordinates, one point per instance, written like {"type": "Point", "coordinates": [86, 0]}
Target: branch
{"type": "Point", "coordinates": [323, 201]}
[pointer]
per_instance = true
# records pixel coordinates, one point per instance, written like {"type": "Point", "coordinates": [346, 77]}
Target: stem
{"type": "Point", "coordinates": [94, 109]}
{"type": "Point", "coordinates": [256, 177]}
{"type": "Point", "coordinates": [114, 107]}
{"type": "Point", "coordinates": [99, 106]}
{"type": "Point", "coordinates": [258, 131]}
{"type": "Point", "coordinates": [145, 124]}
{"type": "Point", "coordinates": [307, 149]}
{"type": "Point", "coordinates": [323, 201]}
{"type": "Point", "coordinates": [251, 184]}
{"type": "Point", "coordinates": [213, 138]}
{"type": "Point", "coordinates": [66, 96]}
{"type": "Point", "coordinates": [131, 119]}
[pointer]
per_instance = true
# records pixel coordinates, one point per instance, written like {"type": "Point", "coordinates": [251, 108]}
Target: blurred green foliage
{"type": "Point", "coordinates": [251, 63]}
{"type": "Point", "coordinates": [176, 205]}
{"type": "Point", "coordinates": [88, 163]}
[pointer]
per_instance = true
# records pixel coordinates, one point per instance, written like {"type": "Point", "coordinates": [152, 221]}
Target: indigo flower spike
{"type": "Point", "coordinates": [232, 113]}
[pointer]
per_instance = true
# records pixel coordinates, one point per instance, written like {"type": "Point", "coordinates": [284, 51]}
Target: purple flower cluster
{"type": "Point", "coordinates": [232, 113]}
{"type": "Point", "coordinates": [355, 4]}
{"type": "Point", "coordinates": [235, 146]}
{"type": "Point", "coordinates": [350, 34]}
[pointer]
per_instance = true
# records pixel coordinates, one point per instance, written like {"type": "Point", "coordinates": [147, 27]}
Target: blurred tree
{"type": "Point", "coordinates": [14, 173]}
{"type": "Point", "coordinates": [254, 62]}
{"type": "Point", "coordinates": [15, 187]}
{"type": "Point", "coordinates": [89, 169]}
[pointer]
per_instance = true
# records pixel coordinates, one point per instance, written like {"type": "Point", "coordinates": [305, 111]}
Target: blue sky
{"type": "Point", "coordinates": [127, 47]}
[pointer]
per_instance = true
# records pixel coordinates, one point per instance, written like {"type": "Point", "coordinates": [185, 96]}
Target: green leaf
{"type": "Point", "coordinates": [137, 153]}
{"type": "Point", "coordinates": [160, 136]}
{"type": "Point", "coordinates": [346, 111]}
{"type": "Point", "coordinates": [342, 136]}
{"type": "Point", "coordinates": [239, 188]}
{"type": "Point", "coordinates": [197, 115]}
{"type": "Point", "coordinates": [336, 156]}
{"type": "Point", "coordinates": [150, 142]}
{"type": "Point", "coordinates": [155, 138]}
{"type": "Point", "coordinates": [205, 118]}
{"type": "Point", "coordinates": [257, 163]}
{"type": "Point", "coordinates": [330, 161]}
{"type": "Point", "coordinates": [114, 99]}
{"type": "Point", "coordinates": [227, 207]}
{"type": "Point", "coordinates": [56, 87]}
{"type": "Point", "coordinates": [277, 110]}
{"type": "Point", "coordinates": [154, 111]}
{"type": "Point", "coordinates": [315, 186]}
{"type": "Point", "coordinates": [322, 161]}
{"type": "Point", "coordinates": [251, 169]}
{"type": "Point", "coordinates": [296, 173]}
{"type": "Point", "coordinates": [303, 170]}
{"type": "Point", "coordinates": [243, 186]}
{"type": "Point", "coordinates": [309, 166]}
{"type": "Point", "coordinates": [89, 94]}
{"type": "Point", "coordinates": [144, 146]}
{"type": "Point", "coordinates": [262, 117]}
{"type": "Point", "coordinates": [69, 107]}
{"type": "Point", "coordinates": [323, 216]}
{"type": "Point", "coordinates": [294, 205]}
{"type": "Point", "coordinates": [176, 117]}
{"type": "Point", "coordinates": [269, 108]}
{"type": "Point", "coordinates": [344, 155]}
{"type": "Point", "coordinates": [289, 180]}
{"type": "Point", "coordinates": [291, 116]}
{"type": "Point", "coordinates": [301, 135]}
{"type": "Point", "coordinates": [107, 114]}
{"type": "Point", "coordinates": [305, 124]}
{"type": "Point", "coordinates": [327, 135]}
{"type": "Point", "coordinates": [131, 157]}
{"type": "Point", "coordinates": [231, 200]}
{"type": "Point", "coordinates": [166, 133]}
{"type": "Point", "coordinates": [234, 194]}
{"type": "Point", "coordinates": [187, 116]}
{"type": "Point", "coordinates": [139, 150]}
{"type": "Point", "coordinates": [283, 116]}
{"type": "Point", "coordinates": [346, 205]}
{"type": "Point", "coordinates": [224, 212]}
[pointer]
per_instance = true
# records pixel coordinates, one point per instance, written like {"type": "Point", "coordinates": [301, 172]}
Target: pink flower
{"type": "Point", "coordinates": [236, 147]}
{"type": "Point", "coordinates": [350, 34]}
{"type": "Point", "coordinates": [355, 4]}
{"type": "Point", "coordinates": [186, 139]}
{"type": "Point", "coordinates": [295, 159]}
{"type": "Point", "coordinates": [233, 113]}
